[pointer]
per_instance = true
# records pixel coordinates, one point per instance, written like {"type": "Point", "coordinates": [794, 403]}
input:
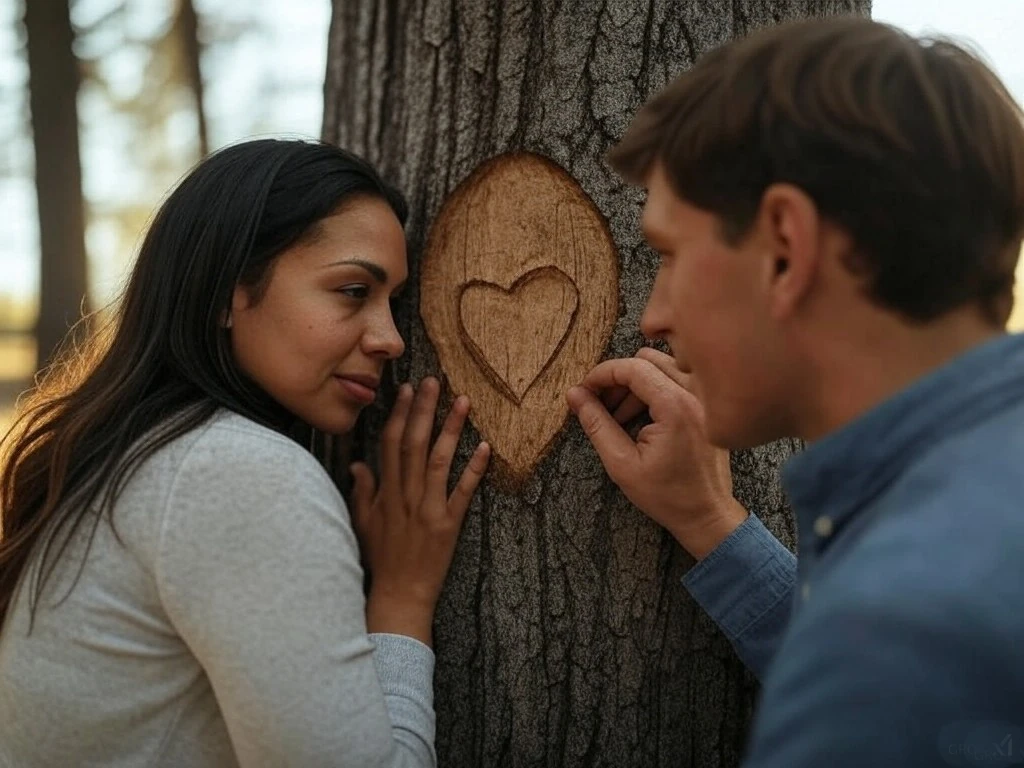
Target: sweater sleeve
{"type": "Point", "coordinates": [258, 569]}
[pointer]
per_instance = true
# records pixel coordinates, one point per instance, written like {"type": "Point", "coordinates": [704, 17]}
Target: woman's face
{"type": "Point", "coordinates": [318, 338]}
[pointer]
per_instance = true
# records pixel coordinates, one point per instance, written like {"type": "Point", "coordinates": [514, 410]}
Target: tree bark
{"type": "Point", "coordinates": [563, 637]}
{"type": "Point", "coordinates": [53, 90]}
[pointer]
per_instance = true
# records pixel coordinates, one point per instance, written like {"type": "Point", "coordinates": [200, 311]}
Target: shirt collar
{"type": "Point", "coordinates": [837, 473]}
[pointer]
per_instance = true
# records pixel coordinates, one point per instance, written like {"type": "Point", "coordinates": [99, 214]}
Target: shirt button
{"type": "Point", "coordinates": [823, 526]}
{"type": "Point", "coordinates": [805, 591]}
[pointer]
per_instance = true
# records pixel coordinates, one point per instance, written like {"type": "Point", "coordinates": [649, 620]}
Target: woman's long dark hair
{"type": "Point", "coordinates": [96, 414]}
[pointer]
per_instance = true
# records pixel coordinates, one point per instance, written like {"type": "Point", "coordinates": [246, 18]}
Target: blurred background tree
{"type": "Point", "coordinates": [54, 79]}
{"type": "Point", "coordinates": [104, 105]}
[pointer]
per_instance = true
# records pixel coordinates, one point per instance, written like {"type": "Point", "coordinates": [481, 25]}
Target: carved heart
{"type": "Point", "coordinates": [515, 333]}
{"type": "Point", "coordinates": [519, 293]}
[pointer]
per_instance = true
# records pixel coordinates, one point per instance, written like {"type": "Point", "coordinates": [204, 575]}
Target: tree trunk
{"type": "Point", "coordinates": [187, 25]}
{"type": "Point", "coordinates": [563, 637]}
{"type": "Point", "coordinates": [53, 90]}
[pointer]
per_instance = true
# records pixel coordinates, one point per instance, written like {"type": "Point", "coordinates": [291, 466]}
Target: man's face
{"type": "Point", "coordinates": [710, 303]}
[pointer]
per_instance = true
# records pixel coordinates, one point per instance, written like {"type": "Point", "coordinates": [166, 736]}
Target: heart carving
{"type": "Point", "coordinates": [514, 333]}
{"type": "Point", "coordinates": [519, 294]}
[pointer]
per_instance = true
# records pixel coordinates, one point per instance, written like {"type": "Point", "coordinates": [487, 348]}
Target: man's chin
{"type": "Point", "coordinates": [742, 435]}
{"type": "Point", "coordinates": [721, 439]}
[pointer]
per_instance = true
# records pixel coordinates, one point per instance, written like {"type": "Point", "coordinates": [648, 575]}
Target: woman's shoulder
{"type": "Point", "coordinates": [229, 453]}
{"type": "Point", "coordinates": [231, 443]}
{"type": "Point", "coordinates": [233, 434]}
{"type": "Point", "coordinates": [233, 481]}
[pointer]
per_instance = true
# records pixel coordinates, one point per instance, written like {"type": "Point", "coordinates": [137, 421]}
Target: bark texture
{"type": "Point", "coordinates": [563, 637]}
{"type": "Point", "coordinates": [53, 91]}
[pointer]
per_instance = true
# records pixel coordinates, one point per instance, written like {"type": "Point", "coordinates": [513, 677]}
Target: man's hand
{"type": "Point", "coordinates": [671, 471]}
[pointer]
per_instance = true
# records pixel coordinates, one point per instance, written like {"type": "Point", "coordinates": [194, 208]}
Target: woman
{"type": "Point", "coordinates": [179, 580]}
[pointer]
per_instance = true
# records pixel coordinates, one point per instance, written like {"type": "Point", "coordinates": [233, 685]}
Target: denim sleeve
{"type": "Point", "coordinates": [746, 585]}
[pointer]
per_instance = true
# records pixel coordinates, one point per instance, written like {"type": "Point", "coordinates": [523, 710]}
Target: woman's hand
{"type": "Point", "coordinates": [409, 525]}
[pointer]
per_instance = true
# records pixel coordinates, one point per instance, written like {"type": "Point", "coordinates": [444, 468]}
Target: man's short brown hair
{"type": "Point", "coordinates": [914, 147]}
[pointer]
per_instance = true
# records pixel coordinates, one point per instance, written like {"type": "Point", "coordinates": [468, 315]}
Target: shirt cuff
{"type": "Point", "coordinates": [746, 585]}
{"type": "Point", "coordinates": [405, 667]}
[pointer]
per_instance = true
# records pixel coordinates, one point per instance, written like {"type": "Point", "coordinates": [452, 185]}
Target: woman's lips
{"type": "Point", "coordinates": [357, 390]}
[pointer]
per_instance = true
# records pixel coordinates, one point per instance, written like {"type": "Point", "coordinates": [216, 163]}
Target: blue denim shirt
{"type": "Point", "coordinates": [899, 638]}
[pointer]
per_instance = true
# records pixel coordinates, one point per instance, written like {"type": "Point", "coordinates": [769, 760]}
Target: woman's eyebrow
{"type": "Point", "coordinates": [378, 272]}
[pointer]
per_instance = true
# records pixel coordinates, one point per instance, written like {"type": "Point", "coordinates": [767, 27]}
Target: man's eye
{"type": "Point", "coordinates": [354, 291]}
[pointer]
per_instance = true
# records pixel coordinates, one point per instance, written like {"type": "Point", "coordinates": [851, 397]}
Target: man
{"type": "Point", "coordinates": [839, 208]}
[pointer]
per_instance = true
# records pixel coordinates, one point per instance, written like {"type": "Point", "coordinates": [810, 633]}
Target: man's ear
{"type": "Point", "coordinates": [790, 225]}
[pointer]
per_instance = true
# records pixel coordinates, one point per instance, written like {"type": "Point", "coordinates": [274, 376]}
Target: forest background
{"type": "Point", "coordinates": [162, 82]}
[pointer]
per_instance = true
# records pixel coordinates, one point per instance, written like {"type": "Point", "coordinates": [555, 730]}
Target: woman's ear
{"type": "Point", "coordinates": [240, 301]}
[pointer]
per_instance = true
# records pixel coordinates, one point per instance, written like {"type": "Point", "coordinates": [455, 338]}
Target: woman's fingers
{"type": "Point", "coordinates": [470, 479]}
{"type": "Point", "coordinates": [416, 441]}
{"type": "Point", "coordinates": [391, 440]}
{"type": "Point", "coordinates": [363, 492]}
{"type": "Point", "coordinates": [440, 462]}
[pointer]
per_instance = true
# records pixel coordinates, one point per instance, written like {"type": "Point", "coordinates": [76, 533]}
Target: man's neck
{"type": "Point", "coordinates": [868, 362]}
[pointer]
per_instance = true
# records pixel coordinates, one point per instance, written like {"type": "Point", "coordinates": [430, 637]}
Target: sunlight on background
{"type": "Point", "coordinates": [1017, 318]}
{"type": "Point", "coordinates": [262, 68]}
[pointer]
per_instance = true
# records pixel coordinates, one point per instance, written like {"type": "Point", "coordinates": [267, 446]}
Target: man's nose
{"type": "Point", "coordinates": [654, 322]}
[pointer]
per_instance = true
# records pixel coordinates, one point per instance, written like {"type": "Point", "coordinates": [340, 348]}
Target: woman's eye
{"type": "Point", "coordinates": [354, 291]}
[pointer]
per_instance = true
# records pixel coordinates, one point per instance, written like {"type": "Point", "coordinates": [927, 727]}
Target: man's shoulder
{"type": "Point", "coordinates": [927, 638]}
{"type": "Point", "coordinates": [944, 553]}
{"type": "Point", "coordinates": [957, 502]}
{"type": "Point", "coordinates": [936, 574]}
{"type": "Point", "coordinates": [980, 463]}
{"type": "Point", "coordinates": [892, 643]}
{"type": "Point", "coordinates": [935, 560]}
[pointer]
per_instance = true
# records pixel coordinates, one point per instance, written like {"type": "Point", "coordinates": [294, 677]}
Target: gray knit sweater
{"type": "Point", "coordinates": [226, 628]}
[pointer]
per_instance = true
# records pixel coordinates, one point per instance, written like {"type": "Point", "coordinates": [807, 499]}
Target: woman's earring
{"type": "Point", "coordinates": [225, 321]}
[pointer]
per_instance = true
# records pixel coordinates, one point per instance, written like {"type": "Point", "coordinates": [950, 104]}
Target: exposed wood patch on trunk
{"type": "Point", "coordinates": [519, 294]}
